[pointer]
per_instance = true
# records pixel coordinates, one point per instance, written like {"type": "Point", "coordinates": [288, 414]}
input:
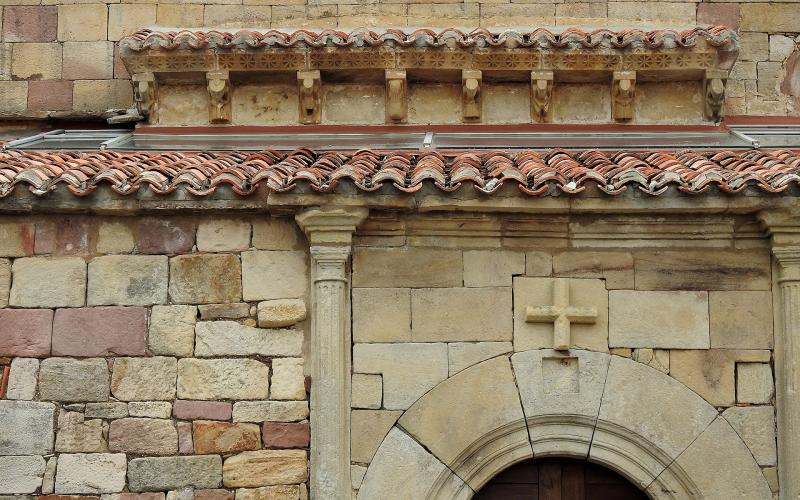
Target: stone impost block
{"type": "Point", "coordinates": [173, 473]}
{"type": "Point", "coordinates": [277, 234]}
{"type": "Point", "coordinates": [165, 236]}
{"type": "Point", "coordinates": [288, 380]}
{"type": "Point", "coordinates": [407, 267]}
{"type": "Point", "coordinates": [82, 22]}
{"type": "Point", "coordinates": [23, 378]}
{"type": "Point", "coordinates": [369, 427]}
{"type": "Point", "coordinates": [202, 410]}
{"type": "Point", "coordinates": [114, 237]}
{"type": "Point", "coordinates": [492, 267]}
{"type": "Point", "coordinates": [128, 280]}
{"type": "Point", "coordinates": [702, 270]}
{"type": "Point", "coordinates": [223, 235]}
{"type": "Point", "coordinates": [141, 379]}
{"type": "Point", "coordinates": [264, 468]}
{"type": "Point", "coordinates": [100, 331]}
{"type": "Point", "coordinates": [381, 315]}
{"type": "Point", "coordinates": [668, 320]}
{"type": "Point", "coordinates": [48, 282]}
{"type": "Point", "coordinates": [25, 332]}
{"type": "Point", "coordinates": [409, 370]}
{"type": "Point", "coordinates": [143, 436]}
{"type": "Point", "coordinates": [76, 435]}
{"type": "Point", "coordinates": [461, 314]}
{"type": "Point", "coordinates": [90, 473]}
{"type": "Point", "coordinates": [224, 437]}
{"type": "Point", "coordinates": [270, 411]}
{"type": "Point", "coordinates": [63, 379]}
{"type": "Point", "coordinates": [211, 379]}
{"type": "Point", "coordinates": [754, 383]}
{"type": "Point", "coordinates": [204, 279]}
{"type": "Point", "coordinates": [21, 474]}
{"type": "Point", "coordinates": [26, 428]}
{"type": "Point", "coordinates": [281, 312]}
{"type": "Point", "coordinates": [756, 426]}
{"type": "Point", "coordinates": [172, 330]}
{"type": "Point", "coordinates": [224, 338]}
{"type": "Point", "coordinates": [150, 409]}
{"type": "Point", "coordinates": [274, 275]}
{"type": "Point", "coordinates": [366, 391]}
{"type": "Point", "coordinates": [286, 435]}
{"type": "Point", "coordinates": [741, 320]}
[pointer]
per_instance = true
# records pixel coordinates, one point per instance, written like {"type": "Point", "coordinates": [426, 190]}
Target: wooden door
{"type": "Point", "coordinates": [557, 479]}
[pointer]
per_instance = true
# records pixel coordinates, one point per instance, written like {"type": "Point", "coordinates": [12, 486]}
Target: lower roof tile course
{"type": "Point", "coordinates": [535, 173]}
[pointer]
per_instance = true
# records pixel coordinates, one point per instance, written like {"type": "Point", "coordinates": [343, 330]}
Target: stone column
{"type": "Point", "coordinates": [785, 231]}
{"type": "Point", "coordinates": [330, 232]}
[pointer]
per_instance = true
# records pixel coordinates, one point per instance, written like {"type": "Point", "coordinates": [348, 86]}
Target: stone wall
{"type": "Point", "coordinates": [58, 57]}
{"type": "Point", "coordinates": [152, 356]}
{"type": "Point", "coordinates": [433, 296]}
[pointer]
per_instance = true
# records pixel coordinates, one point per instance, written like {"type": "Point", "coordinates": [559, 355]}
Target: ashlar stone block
{"type": "Point", "coordinates": [48, 282]}
{"type": "Point", "coordinates": [407, 267]}
{"type": "Point", "coordinates": [741, 320]}
{"type": "Point", "coordinates": [616, 268]}
{"type": "Point", "coordinates": [114, 237]}
{"type": "Point", "coordinates": [225, 437]}
{"type": "Point", "coordinates": [252, 469]}
{"type": "Point", "coordinates": [224, 338]}
{"type": "Point", "coordinates": [278, 492]}
{"type": "Point", "coordinates": [21, 475]}
{"type": "Point", "coordinates": [275, 274]}
{"type": "Point", "coordinates": [26, 332]}
{"type": "Point", "coordinates": [142, 379]}
{"type": "Point", "coordinates": [143, 436]}
{"type": "Point", "coordinates": [270, 411]}
{"type": "Point", "coordinates": [236, 310]}
{"type": "Point", "coordinates": [150, 409]}
{"type": "Point", "coordinates": [277, 234]}
{"type": "Point", "coordinates": [74, 380]}
{"type": "Point", "coordinates": [23, 379]}
{"type": "Point", "coordinates": [5, 281]}
{"type": "Point", "coordinates": [213, 379]}
{"type": "Point", "coordinates": [172, 330]}
{"type": "Point", "coordinates": [710, 373]}
{"type": "Point", "coordinates": [754, 383]}
{"type": "Point", "coordinates": [281, 312]}
{"type": "Point", "coordinates": [703, 270]}
{"type": "Point", "coordinates": [174, 473]}
{"type": "Point", "coordinates": [288, 380]}
{"type": "Point", "coordinates": [409, 370]}
{"type": "Point", "coordinates": [381, 314]}
{"type": "Point", "coordinates": [461, 355]}
{"type": "Point", "coordinates": [461, 314]}
{"type": "Point", "coordinates": [366, 391]}
{"type": "Point", "coordinates": [22, 429]}
{"type": "Point", "coordinates": [205, 279]}
{"type": "Point", "coordinates": [223, 235]}
{"type": "Point", "coordinates": [90, 473]}
{"type": "Point", "coordinates": [76, 435]}
{"type": "Point", "coordinates": [492, 267]}
{"type": "Point", "coordinates": [583, 293]}
{"type": "Point", "coordinates": [756, 426]}
{"type": "Point", "coordinates": [368, 428]}
{"type": "Point", "coordinates": [660, 319]}
{"type": "Point", "coordinates": [128, 280]}
{"type": "Point", "coordinates": [100, 331]}
{"type": "Point", "coordinates": [16, 240]}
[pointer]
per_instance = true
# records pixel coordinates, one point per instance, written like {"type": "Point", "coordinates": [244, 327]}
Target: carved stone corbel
{"type": "Point", "coordinates": [396, 96]}
{"type": "Point", "coordinates": [310, 90]}
{"type": "Point", "coordinates": [541, 96]}
{"type": "Point", "coordinates": [145, 89]}
{"type": "Point", "coordinates": [219, 96]}
{"type": "Point", "coordinates": [623, 91]}
{"type": "Point", "coordinates": [714, 93]}
{"type": "Point", "coordinates": [471, 94]}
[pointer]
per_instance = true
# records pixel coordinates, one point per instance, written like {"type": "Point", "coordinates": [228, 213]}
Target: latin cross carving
{"type": "Point", "coordinates": [561, 314]}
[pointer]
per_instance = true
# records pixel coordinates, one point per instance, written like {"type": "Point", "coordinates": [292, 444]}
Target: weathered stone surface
{"type": "Point", "coordinates": [76, 435]}
{"type": "Point", "coordinates": [165, 236]}
{"type": "Point", "coordinates": [224, 311]}
{"type": "Point", "coordinates": [769, 17]}
{"type": "Point", "coordinates": [741, 320]}
{"type": "Point", "coordinates": [49, 478]}
{"type": "Point", "coordinates": [409, 370]}
{"type": "Point", "coordinates": [460, 314]}
{"type": "Point", "coordinates": [5, 281]}
{"type": "Point", "coordinates": [381, 314]}
{"type": "Point", "coordinates": [616, 268]}
{"type": "Point", "coordinates": [22, 380]}
{"type": "Point", "coordinates": [100, 331]}
{"type": "Point", "coordinates": [368, 429]}
{"type": "Point", "coordinates": [21, 432]}
{"type": "Point", "coordinates": [702, 270]}
{"type": "Point", "coordinates": [668, 320]}
{"type": "Point", "coordinates": [106, 410]}
{"type": "Point", "coordinates": [286, 435]}
{"type": "Point", "coordinates": [756, 426]}
{"type": "Point", "coordinates": [143, 436]}
{"type": "Point", "coordinates": [48, 282]}
{"type": "Point", "coordinates": [281, 312]}
{"type": "Point", "coordinates": [274, 275]}
{"type": "Point", "coordinates": [182, 494]}
{"type": "Point", "coordinates": [366, 391]}
{"type": "Point", "coordinates": [172, 473]}
{"type": "Point", "coordinates": [223, 235]}
{"type": "Point", "coordinates": [202, 410]}
{"type": "Point", "coordinates": [281, 492]}
{"type": "Point", "coordinates": [63, 379]}
{"type": "Point", "coordinates": [25, 332]}
{"type": "Point", "coordinates": [461, 355]}
{"type": "Point", "coordinates": [270, 411]}
{"type": "Point", "coordinates": [114, 237]}
{"type": "Point", "coordinates": [223, 338]}
{"type": "Point", "coordinates": [128, 280]}
{"type": "Point", "coordinates": [540, 292]}
{"type": "Point", "coordinates": [277, 234]}
{"type": "Point", "coordinates": [288, 380]}
{"type": "Point", "coordinates": [203, 279]}
{"type": "Point", "coordinates": [492, 267]}
{"type": "Point", "coordinates": [217, 494]}
{"type": "Point", "coordinates": [172, 330]}
{"type": "Point", "coordinates": [264, 468]}
{"type": "Point", "coordinates": [223, 437]}
{"type": "Point", "coordinates": [357, 473]}
{"type": "Point", "coordinates": [754, 382]}
{"type": "Point", "coordinates": [185, 440]}
{"type": "Point", "coordinates": [654, 358]}
{"type": "Point", "coordinates": [150, 409]}
{"type": "Point", "coordinates": [538, 264]}
{"type": "Point", "coordinates": [139, 379]}
{"type": "Point", "coordinates": [710, 373]}
{"type": "Point", "coordinates": [407, 267]}
{"type": "Point", "coordinates": [16, 240]}
{"type": "Point", "coordinates": [222, 379]}
{"type": "Point", "coordinates": [21, 474]}
{"type": "Point", "coordinates": [90, 474]}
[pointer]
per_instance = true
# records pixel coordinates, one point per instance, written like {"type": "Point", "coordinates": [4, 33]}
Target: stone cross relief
{"type": "Point", "coordinates": [561, 314]}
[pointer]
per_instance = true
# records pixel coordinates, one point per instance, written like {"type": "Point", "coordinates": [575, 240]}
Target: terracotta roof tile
{"type": "Point", "coordinates": [535, 173]}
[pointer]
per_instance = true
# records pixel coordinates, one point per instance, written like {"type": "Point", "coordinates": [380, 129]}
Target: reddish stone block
{"type": "Point", "coordinates": [119, 68]}
{"type": "Point", "coordinates": [50, 95]}
{"type": "Point", "coordinates": [25, 332]}
{"type": "Point", "coordinates": [68, 236]}
{"type": "Point", "coordinates": [141, 496]}
{"type": "Point", "coordinates": [213, 495]}
{"type": "Point", "coordinates": [66, 497]}
{"type": "Point", "coordinates": [5, 371]}
{"type": "Point", "coordinates": [165, 236]}
{"type": "Point", "coordinates": [185, 442]}
{"type": "Point", "coordinates": [100, 331]}
{"type": "Point", "coordinates": [30, 23]}
{"type": "Point", "coordinates": [201, 410]}
{"type": "Point", "coordinates": [726, 14]}
{"type": "Point", "coordinates": [282, 435]}
{"type": "Point", "coordinates": [225, 437]}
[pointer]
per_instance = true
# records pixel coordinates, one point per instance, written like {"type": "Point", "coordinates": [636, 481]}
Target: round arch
{"type": "Point", "coordinates": [611, 410]}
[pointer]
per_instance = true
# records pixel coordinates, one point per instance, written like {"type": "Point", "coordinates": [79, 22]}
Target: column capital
{"type": "Point", "coordinates": [783, 226]}
{"type": "Point", "coordinates": [331, 226]}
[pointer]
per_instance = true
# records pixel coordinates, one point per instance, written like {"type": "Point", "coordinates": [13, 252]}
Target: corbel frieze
{"type": "Point", "coordinates": [623, 91]}
{"type": "Point", "coordinates": [471, 81]}
{"type": "Point", "coordinates": [541, 96]}
{"type": "Point", "coordinates": [145, 95]}
{"type": "Point", "coordinates": [714, 93]}
{"type": "Point", "coordinates": [219, 96]}
{"type": "Point", "coordinates": [309, 84]}
{"type": "Point", "coordinates": [396, 96]}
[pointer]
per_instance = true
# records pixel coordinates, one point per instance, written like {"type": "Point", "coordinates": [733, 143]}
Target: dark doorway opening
{"type": "Point", "coordinates": [559, 479]}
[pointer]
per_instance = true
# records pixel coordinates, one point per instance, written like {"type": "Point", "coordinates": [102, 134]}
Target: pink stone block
{"type": "Point", "coordinates": [30, 23]}
{"type": "Point", "coordinates": [165, 236]}
{"type": "Point", "coordinates": [185, 442]}
{"type": "Point", "coordinates": [213, 495]}
{"type": "Point", "coordinates": [201, 410]}
{"type": "Point", "coordinates": [100, 331]}
{"type": "Point", "coordinates": [25, 332]}
{"type": "Point", "coordinates": [726, 14]}
{"type": "Point", "coordinates": [49, 95]}
{"type": "Point", "coordinates": [68, 236]}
